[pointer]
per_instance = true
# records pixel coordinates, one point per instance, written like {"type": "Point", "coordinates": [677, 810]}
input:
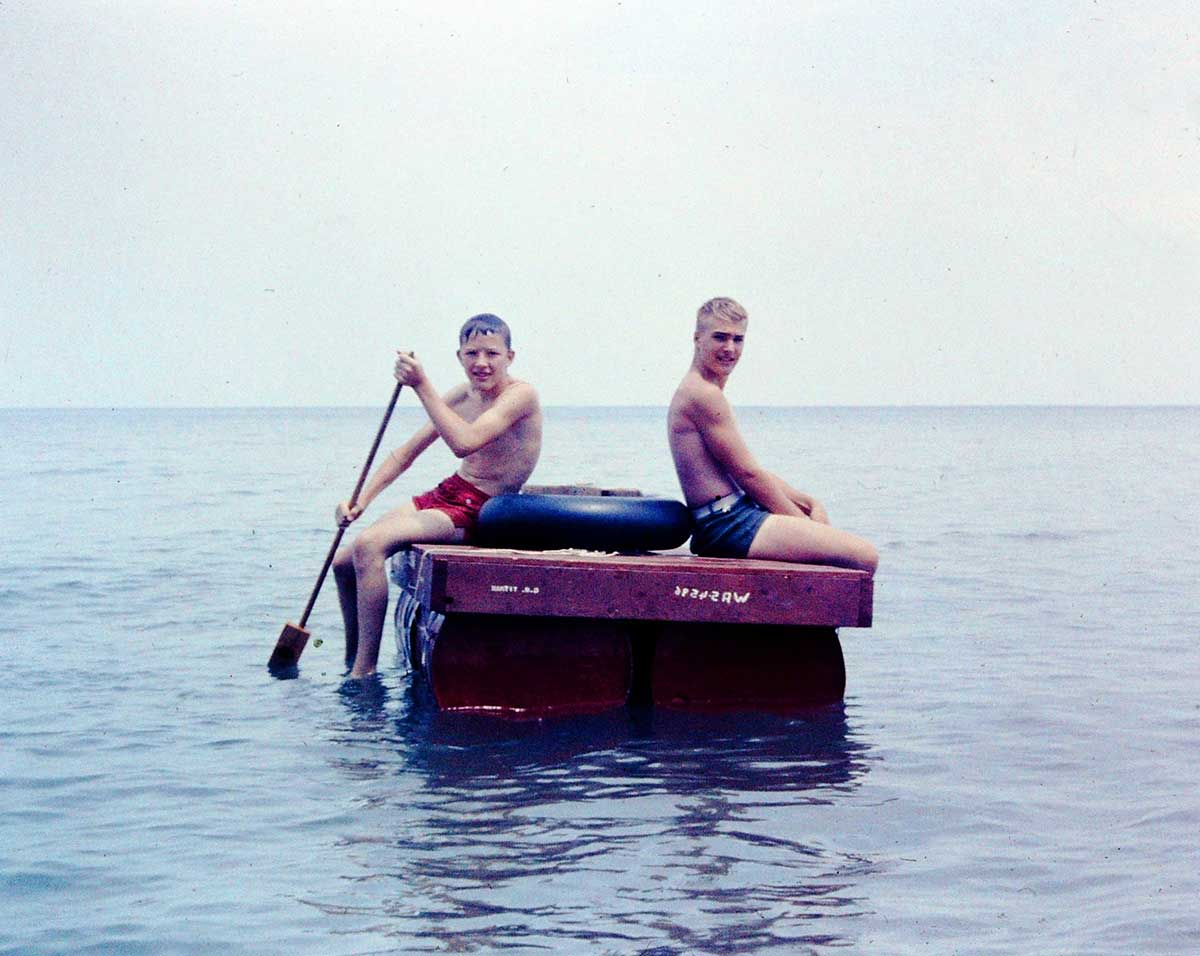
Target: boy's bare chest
{"type": "Point", "coordinates": [471, 405]}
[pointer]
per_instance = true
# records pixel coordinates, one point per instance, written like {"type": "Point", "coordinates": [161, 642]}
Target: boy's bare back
{"type": "Point", "coordinates": [701, 477]}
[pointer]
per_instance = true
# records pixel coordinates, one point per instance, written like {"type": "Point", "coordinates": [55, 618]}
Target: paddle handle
{"type": "Point", "coordinates": [362, 478]}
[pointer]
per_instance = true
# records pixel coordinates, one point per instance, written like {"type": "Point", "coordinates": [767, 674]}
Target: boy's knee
{"type": "Point", "coordinates": [869, 559]}
{"type": "Point", "coordinates": [366, 552]}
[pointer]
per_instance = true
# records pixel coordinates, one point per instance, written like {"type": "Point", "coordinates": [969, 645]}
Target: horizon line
{"type": "Point", "coordinates": [860, 405]}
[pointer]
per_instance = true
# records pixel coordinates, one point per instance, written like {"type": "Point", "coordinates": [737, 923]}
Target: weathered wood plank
{"type": "Point", "coordinates": [666, 587]}
{"type": "Point", "coordinates": [581, 490]}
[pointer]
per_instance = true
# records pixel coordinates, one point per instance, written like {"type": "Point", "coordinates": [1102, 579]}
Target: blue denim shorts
{"type": "Point", "coordinates": [729, 534]}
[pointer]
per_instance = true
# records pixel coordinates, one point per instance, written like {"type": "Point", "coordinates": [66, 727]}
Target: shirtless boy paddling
{"type": "Point", "coordinates": [492, 422]}
{"type": "Point", "coordinates": [741, 509]}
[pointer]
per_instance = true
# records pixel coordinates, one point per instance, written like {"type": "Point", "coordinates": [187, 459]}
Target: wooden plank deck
{"type": "Point", "coordinates": [457, 579]}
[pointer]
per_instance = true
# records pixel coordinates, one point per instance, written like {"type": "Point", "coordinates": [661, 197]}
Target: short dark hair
{"type": "Point", "coordinates": [484, 324]}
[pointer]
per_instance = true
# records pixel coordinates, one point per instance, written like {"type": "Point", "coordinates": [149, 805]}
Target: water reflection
{"type": "Point", "coordinates": [629, 832]}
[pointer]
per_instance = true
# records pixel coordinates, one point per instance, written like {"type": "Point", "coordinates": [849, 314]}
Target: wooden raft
{"type": "Point", "coordinates": [531, 633]}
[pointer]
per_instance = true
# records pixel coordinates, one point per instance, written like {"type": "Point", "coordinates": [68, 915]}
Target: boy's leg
{"type": "Point", "coordinates": [369, 553]}
{"type": "Point", "coordinates": [804, 541]}
{"type": "Point", "coordinates": [347, 588]}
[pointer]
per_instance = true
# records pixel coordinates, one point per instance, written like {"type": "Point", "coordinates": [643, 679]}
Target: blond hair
{"type": "Point", "coordinates": [721, 308]}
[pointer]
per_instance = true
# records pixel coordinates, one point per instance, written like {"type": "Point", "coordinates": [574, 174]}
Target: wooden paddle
{"type": "Point", "coordinates": [291, 641]}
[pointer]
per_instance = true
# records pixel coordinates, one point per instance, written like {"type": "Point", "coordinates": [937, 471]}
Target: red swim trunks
{"type": "Point", "coordinates": [457, 498]}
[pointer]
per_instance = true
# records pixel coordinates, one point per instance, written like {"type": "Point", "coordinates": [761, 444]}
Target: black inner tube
{"type": "Point", "coordinates": [539, 522]}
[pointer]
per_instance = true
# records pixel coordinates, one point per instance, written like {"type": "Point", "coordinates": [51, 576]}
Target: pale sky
{"type": "Point", "coordinates": [214, 203]}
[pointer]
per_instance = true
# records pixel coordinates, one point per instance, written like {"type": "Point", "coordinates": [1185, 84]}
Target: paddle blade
{"type": "Point", "coordinates": [288, 648]}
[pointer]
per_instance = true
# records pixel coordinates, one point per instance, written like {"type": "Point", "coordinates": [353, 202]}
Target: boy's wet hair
{"type": "Point", "coordinates": [485, 324]}
{"type": "Point", "coordinates": [721, 308]}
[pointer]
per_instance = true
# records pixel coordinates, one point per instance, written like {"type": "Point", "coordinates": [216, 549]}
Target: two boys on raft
{"type": "Point", "coordinates": [493, 423]}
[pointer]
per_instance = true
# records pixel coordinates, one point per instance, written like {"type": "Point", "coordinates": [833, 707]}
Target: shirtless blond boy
{"type": "Point", "coordinates": [492, 422]}
{"type": "Point", "coordinates": [740, 509]}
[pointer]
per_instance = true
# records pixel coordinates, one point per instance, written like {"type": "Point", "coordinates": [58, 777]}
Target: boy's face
{"type": "Point", "coordinates": [485, 358]}
{"type": "Point", "coordinates": [719, 344]}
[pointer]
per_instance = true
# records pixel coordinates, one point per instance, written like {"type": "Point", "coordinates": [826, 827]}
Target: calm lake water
{"type": "Point", "coordinates": [1016, 768]}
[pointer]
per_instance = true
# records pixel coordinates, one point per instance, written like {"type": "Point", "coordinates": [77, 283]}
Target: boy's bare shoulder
{"type": "Point", "coordinates": [688, 389]}
{"type": "Point", "coordinates": [518, 401]}
{"type": "Point", "coordinates": [521, 392]}
{"type": "Point", "coordinates": [697, 398]}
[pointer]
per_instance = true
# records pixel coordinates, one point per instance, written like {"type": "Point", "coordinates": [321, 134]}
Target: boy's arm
{"type": "Point", "coordinates": [392, 467]}
{"type": "Point", "coordinates": [713, 417]}
{"type": "Point", "coordinates": [805, 502]}
{"type": "Point", "coordinates": [465, 437]}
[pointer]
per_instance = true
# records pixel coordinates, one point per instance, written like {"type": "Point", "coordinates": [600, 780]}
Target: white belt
{"type": "Point", "coordinates": [721, 504]}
